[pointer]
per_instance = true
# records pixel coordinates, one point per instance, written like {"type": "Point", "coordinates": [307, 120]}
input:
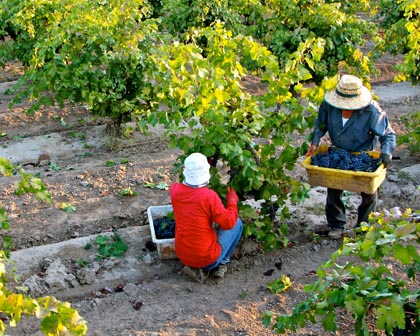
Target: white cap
{"type": "Point", "coordinates": [196, 169]}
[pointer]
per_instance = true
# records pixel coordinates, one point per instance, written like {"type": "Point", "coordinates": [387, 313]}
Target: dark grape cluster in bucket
{"type": "Point", "coordinates": [164, 228]}
{"type": "Point", "coordinates": [337, 158]}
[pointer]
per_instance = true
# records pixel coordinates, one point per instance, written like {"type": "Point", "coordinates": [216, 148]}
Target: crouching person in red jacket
{"type": "Point", "coordinates": [206, 232]}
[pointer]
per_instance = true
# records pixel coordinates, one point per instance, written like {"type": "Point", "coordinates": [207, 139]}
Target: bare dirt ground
{"type": "Point", "coordinates": [81, 174]}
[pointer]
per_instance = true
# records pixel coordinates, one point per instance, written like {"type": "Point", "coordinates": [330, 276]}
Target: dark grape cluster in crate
{"type": "Point", "coordinates": [337, 158]}
{"type": "Point", "coordinates": [164, 228]}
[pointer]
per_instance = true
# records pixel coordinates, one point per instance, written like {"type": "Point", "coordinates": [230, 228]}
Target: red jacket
{"type": "Point", "coordinates": [195, 210]}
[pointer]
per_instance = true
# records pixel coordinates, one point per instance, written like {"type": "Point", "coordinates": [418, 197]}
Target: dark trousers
{"type": "Point", "coordinates": [336, 211]}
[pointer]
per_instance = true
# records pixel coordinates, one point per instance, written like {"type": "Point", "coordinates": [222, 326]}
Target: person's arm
{"type": "Point", "coordinates": [320, 128]}
{"type": "Point", "coordinates": [388, 139]}
{"type": "Point", "coordinates": [383, 130]}
{"type": "Point", "coordinates": [227, 216]}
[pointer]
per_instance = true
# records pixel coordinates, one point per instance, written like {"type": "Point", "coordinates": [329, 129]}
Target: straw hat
{"type": "Point", "coordinates": [196, 169]}
{"type": "Point", "coordinates": [349, 94]}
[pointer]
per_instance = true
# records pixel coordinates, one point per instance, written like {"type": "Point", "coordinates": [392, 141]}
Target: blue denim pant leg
{"type": "Point", "coordinates": [228, 239]}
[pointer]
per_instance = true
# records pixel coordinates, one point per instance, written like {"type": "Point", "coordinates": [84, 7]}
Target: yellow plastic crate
{"type": "Point", "coordinates": [349, 180]}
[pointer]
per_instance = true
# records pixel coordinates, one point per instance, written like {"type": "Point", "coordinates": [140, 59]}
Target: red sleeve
{"type": "Point", "coordinates": [226, 217]}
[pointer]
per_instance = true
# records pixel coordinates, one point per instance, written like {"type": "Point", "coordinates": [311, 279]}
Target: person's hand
{"type": "Point", "coordinates": [231, 196]}
{"type": "Point", "coordinates": [385, 159]}
{"type": "Point", "coordinates": [311, 149]}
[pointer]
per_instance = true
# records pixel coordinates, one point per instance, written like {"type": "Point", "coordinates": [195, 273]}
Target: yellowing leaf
{"type": "Point", "coordinates": [203, 73]}
{"type": "Point", "coordinates": [405, 230]}
{"type": "Point", "coordinates": [310, 63]}
{"type": "Point", "coordinates": [279, 285]}
{"type": "Point", "coordinates": [220, 96]}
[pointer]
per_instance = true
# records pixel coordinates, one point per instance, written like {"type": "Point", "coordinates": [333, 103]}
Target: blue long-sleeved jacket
{"type": "Point", "coordinates": [361, 132]}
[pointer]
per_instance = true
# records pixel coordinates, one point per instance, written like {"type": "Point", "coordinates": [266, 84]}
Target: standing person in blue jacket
{"type": "Point", "coordinates": [354, 122]}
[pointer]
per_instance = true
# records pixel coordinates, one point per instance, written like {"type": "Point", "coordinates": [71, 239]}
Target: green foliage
{"type": "Point", "coordinates": [82, 262]}
{"type": "Point", "coordinates": [153, 185]}
{"type": "Point", "coordinates": [225, 120]}
{"type": "Point", "coordinates": [244, 294]}
{"type": "Point", "coordinates": [81, 51]}
{"type": "Point", "coordinates": [67, 207]}
{"type": "Point", "coordinates": [166, 220]}
{"type": "Point", "coordinates": [110, 246]}
{"type": "Point", "coordinates": [30, 184]}
{"type": "Point", "coordinates": [110, 163]}
{"type": "Point", "coordinates": [88, 246]}
{"type": "Point", "coordinates": [57, 318]}
{"type": "Point", "coordinates": [366, 285]}
{"type": "Point", "coordinates": [128, 192]}
{"type": "Point", "coordinates": [321, 37]}
{"type": "Point", "coordinates": [179, 16]}
{"type": "Point", "coordinates": [312, 35]}
{"type": "Point", "coordinates": [185, 64]}
{"type": "Point", "coordinates": [279, 285]}
{"type": "Point", "coordinates": [400, 35]}
{"type": "Point", "coordinates": [54, 166]}
{"type": "Point", "coordinates": [170, 215]}
{"type": "Point", "coordinates": [412, 137]}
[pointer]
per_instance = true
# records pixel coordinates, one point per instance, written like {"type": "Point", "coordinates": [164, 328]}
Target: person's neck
{"type": "Point", "coordinates": [346, 113]}
{"type": "Point", "coordinates": [195, 186]}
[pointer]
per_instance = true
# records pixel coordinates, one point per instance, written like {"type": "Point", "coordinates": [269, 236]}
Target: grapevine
{"type": "Point", "coordinates": [366, 285]}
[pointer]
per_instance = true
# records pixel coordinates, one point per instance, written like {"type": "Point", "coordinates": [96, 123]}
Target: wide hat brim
{"type": "Point", "coordinates": [349, 103]}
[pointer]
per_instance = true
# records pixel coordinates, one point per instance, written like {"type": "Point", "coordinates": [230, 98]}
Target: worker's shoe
{"type": "Point", "coordinates": [196, 274]}
{"type": "Point", "coordinates": [220, 271]}
{"type": "Point", "coordinates": [336, 233]}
